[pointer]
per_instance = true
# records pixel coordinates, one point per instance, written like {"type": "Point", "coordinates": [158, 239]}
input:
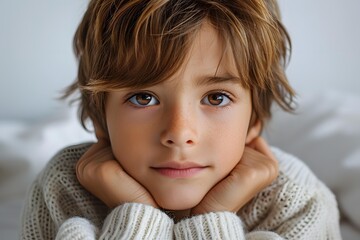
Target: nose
{"type": "Point", "coordinates": [180, 128]}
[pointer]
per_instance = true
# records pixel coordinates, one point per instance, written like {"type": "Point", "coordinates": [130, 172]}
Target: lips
{"type": "Point", "coordinates": [179, 169]}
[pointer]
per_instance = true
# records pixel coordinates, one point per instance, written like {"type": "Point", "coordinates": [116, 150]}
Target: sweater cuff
{"type": "Point", "coordinates": [137, 221]}
{"type": "Point", "coordinates": [218, 225]}
{"type": "Point", "coordinates": [77, 228]}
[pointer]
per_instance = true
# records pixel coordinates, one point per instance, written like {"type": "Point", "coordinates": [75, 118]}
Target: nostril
{"type": "Point", "coordinates": [170, 142]}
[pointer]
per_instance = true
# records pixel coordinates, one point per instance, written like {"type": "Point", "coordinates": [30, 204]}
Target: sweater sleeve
{"type": "Point", "coordinates": [218, 225]}
{"type": "Point", "coordinates": [128, 221]}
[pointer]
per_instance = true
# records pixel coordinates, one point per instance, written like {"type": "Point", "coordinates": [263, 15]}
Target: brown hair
{"type": "Point", "coordinates": [140, 43]}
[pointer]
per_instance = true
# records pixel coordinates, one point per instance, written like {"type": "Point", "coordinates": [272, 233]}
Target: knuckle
{"type": "Point", "coordinates": [252, 174]}
{"type": "Point", "coordinates": [101, 170]}
{"type": "Point", "coordinates": [87, 172]}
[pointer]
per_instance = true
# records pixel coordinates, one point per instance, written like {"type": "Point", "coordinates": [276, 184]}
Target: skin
{"type": "Point", "coordinates": [188, 119]}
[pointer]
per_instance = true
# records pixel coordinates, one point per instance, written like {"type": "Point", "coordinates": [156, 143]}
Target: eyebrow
{"type": "Point", "coordinates": [217, 79]}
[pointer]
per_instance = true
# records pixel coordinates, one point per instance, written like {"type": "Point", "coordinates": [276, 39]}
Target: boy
{"type": "Point", "coordinates": [178, 92]}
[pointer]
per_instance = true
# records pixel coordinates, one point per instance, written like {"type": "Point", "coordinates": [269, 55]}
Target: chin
{"type": "Point", "coordinates": [179, 201]}
{"type": "Point", "coordinates": [177, 205]}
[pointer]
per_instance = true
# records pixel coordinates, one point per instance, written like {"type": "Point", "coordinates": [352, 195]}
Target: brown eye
{"type": "Point", "coordinates": [143, 99]}
{"type": "Point", "coordinates": [216, 99]}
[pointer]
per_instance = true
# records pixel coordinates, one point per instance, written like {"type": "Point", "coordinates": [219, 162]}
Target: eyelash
{"type": "Point", "coordinates": [217, 92]}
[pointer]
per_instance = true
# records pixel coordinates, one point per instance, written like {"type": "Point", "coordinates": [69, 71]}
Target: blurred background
{"type": "Point", "coordinates": [36, 58]}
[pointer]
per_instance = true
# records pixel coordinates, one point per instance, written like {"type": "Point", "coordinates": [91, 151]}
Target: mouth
{"type": "Point", "coordinates": [179, 170]}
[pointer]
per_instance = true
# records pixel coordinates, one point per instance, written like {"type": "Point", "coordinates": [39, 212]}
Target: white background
{"type": "Point", "coordinates": [36, 58]}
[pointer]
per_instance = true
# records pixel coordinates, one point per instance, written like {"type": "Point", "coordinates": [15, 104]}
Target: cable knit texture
{"type": "Point", "coordinates": [295, 206]}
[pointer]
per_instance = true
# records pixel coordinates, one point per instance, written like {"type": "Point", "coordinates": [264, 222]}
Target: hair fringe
{"type": "Point", "coordinates": [115, 40]}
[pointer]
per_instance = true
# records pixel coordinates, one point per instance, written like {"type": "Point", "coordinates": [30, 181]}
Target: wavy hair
{"type": "Point", "coordinates": [139, 43]}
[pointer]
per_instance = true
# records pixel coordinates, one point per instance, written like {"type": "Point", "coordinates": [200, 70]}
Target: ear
{"type": "Point", "coordinates": [253, 132]}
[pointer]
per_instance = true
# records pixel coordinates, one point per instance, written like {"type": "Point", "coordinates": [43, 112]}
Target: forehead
{"type": "Point", "coordinates": [210, 55]}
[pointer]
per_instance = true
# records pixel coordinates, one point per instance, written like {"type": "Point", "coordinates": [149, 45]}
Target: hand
{"type": "Point", "coordinates": [99, 173]}
{"type": "Point", "coordinates": [256, 170]}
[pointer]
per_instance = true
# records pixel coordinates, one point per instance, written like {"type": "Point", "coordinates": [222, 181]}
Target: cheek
{"type": "Point", "coordinates": [130, 141]}
{"type": "Point", "coordinates": [229, 142]}
{"type": "Point", "coordinates": [231, 151]}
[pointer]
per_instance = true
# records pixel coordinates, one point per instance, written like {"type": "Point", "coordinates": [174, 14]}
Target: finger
{"type": "Point", "coordinates": [99, 132]}
{"type": "Point", "coordinates": [97, 153]}
{"type": "Point", "coordinates": [259, 144]}
{"type": "Point", "coordinates": [88, 156]}
{"type": "Point", "coordinates": [272, 164]}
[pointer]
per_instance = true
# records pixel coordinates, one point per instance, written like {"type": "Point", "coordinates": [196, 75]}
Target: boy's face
{"type": "Point", "coordinates": [181, 137]}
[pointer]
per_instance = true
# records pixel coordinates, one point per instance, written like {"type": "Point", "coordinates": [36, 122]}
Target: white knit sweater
{"type": "Point", "coordinates": [295, 206]}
